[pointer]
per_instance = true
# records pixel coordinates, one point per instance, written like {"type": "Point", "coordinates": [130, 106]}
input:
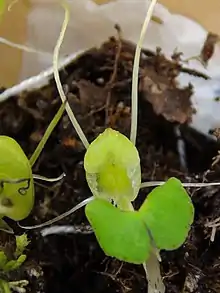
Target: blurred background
{"type": "Point", "coordinates": [13, 27]}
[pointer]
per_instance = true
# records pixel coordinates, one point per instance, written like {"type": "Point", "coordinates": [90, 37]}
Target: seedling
{"type": "Point", "coordinates": [8, 265]}
{"type": "Point", "coordinates": [113, 173]}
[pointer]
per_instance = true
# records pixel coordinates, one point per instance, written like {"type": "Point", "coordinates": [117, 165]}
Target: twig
{"type": "Point", "coordinates": [214, 225]}
{"type": "Point", "coordinates": [114, 73]}
{"type": "Point", "coordinates": [196, 184]}
{"type": "Point", "coordinates": [67, 229]}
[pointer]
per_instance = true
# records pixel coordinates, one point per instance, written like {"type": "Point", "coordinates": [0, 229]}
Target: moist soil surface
{"type": "Point", "coordinates": [98, 88]}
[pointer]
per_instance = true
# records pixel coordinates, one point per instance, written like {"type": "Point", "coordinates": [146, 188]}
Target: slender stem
{"type": "Point", "coordinates": [134, 94]}
{"type": "Point", "coordinates": [67, 229]}
{"type": "Point", "coordinates": [60, 217]}
{"type": "Point", "coordinates": [57, 78]}
{"type": "Point", "coordinates": [23, 47]}
{"type": "Point", "coordinates": [43, 178]}
{"type": "Point", "coordinates": [47, 134]}
{"type": "Point", "coordinates": [152, 271]}
{"type": "Point", "coordinates": [157, 183]}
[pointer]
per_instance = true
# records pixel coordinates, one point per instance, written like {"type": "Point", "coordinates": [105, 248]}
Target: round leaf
{"type": "Point", "coordinates": [112, 166]}
{"type": "Point", "coordinates": [16, 199]}
{"type": "Point", "coordinates": [121, 234]}
{"type": "Point", "coordinates": [168, 213]}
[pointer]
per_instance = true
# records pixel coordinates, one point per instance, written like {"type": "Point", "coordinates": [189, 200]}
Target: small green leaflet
{"type": "Point", "coordinates": [21, 244]}
{"type": "Point", "coordinates": [121, 234]}
{"type": "Point", "coordinates": [168, 212]}
{"type": "Point", "coordinates": [7, 265]}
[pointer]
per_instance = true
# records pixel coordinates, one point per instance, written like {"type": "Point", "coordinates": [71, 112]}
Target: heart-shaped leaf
{"type": "Point", "coordinates": [168, 213]}
{"type": "Point", "coordinates": [121, 234]}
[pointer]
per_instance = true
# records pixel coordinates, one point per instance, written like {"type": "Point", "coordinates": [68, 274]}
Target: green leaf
{"type": "Point", "coordinates": [112, 166]}
{"type": "Point", "coordinates": [21, 243]}
{"type": "Point", "coordinates": [14, 264]}
{"type": "Point", "coordinates": [168, 212]}
{"type": "Point", "coordinates": [16, 198]}
{"type": "Point", "coordinates": [121, 234]}
{"type": "Point", "coordinates": [3, 260]}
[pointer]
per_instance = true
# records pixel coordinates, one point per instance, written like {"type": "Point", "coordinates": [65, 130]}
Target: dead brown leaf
{"type": "Point", "coordinates": [173, 104]}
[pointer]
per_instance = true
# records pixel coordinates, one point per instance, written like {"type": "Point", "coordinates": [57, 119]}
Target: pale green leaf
{"type": "Point", "coordinates": [168, 212]}
{"type": "Point", "coordinates": [112, 166]}
{"type": "Point", "coordinates": [121, 234]}
{"type": "Point", "coordinates": [16, 199]}
{"type": "Point", "coordinates": [15, 264]}
{"type": "Point", "coordinates": [21, 243]}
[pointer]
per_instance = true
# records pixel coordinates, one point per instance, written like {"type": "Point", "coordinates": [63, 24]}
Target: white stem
{"type": "Point", "coordinates": [215, 223]}
{"type": "Point", "coordinates": [42, 178]}
{"type": "Point", "coordinates": [134, 93]}
{"type": "Point", "coordinates": [23, 47]}
{"type": "Point", "coordinates": [152, 270]}
{"type": "Point", "coordinates": [199, 184]}
{"type": "Point", "coordinates": [66, 229]}
{"type": "Point", "coordinates": [151, 266]}
{"type": "Point", "coordinates": [60, 217]}
{"type": "Point", "coordinates": [57, 77]}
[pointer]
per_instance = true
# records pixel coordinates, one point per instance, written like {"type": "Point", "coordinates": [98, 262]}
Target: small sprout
{"type": "Point", "coordinates": [121, 234]}
{"type": "Point", "coordinates": [21, 244]}
{"type": "Point", "coordinates": [168, 213]}
{"type": "Point", "coordinates": [12, 265]}
{"type": "Point", "coordinates": [7, 265]}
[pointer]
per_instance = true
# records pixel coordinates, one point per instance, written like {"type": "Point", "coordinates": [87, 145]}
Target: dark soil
{"type": "Point", "coordinates": [98, 86]}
